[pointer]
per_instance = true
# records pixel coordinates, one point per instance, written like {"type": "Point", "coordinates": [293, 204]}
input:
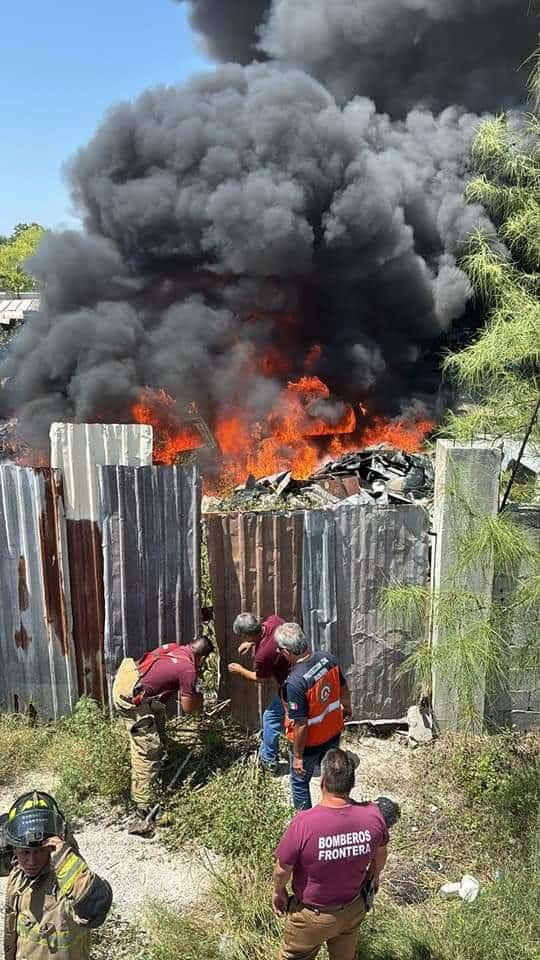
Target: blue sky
{"type": "Point", "coordinates": [62, 65]}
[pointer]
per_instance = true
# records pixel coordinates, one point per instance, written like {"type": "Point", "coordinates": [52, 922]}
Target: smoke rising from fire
{"type": "Point", "coordinates": [249, 228]}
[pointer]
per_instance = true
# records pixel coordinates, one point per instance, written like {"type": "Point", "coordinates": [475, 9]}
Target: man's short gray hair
{"type": "Point", "coordinates": [246, 624]}
{"type": "Point", "coordinates": [291, 637]}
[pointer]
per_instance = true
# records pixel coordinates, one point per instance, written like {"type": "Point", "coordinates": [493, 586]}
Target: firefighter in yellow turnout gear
{"type": "Point", "coordinates": [53, 900]}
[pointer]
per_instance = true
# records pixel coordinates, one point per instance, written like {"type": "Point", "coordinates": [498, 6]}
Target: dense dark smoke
{"type": "Point", "coordinates": [229, 27]}
{"type": "Point", "coordinates": [401, 53]}
{"type": "Point", "coordinates": [247, 210]}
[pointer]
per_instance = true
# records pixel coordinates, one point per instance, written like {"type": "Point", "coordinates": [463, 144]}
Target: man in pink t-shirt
{"type": "Point", "coordinates": [331, 853]}
{"type": "Point", "coordinates": [259, 640]}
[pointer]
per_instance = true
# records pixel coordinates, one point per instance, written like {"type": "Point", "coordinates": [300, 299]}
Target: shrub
{"type": "Point", "coordinates": [500, 780]}
{"type": "Point", "coordinates": [22, 745]}
{"type": "Point", "coordinates": [239, 813]}
{"type": "Point", "coordinates": [91, 757]}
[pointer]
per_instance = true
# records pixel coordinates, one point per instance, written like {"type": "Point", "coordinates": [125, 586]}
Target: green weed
{"type": "Point", "coordinates": [22, 745]}
{"type": "Point", "coordinates": [91, 758]}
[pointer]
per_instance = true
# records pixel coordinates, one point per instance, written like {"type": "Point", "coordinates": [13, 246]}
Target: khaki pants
{"type": "Point", "coordinates": [145, 725]}
{"type": "Point", "coordinates": [307, 930]}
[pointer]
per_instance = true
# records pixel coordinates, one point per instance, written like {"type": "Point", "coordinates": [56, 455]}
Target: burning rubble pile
{"type": "Point", "coordinates": [378, 474]}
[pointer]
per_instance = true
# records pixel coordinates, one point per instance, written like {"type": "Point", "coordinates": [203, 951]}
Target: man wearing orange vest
{"type": "Point", "coordinates": [317, 702]}
{"type": "Point", "coordinates": [140, 691]}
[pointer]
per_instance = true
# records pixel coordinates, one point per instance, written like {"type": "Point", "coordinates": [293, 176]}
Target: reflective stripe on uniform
{"type": "Point", "coordinates": [335, 705]}
{"type": "Point", "coordinates": [69, 872]}
{"type": "Point", "coordinates": [61, 938]}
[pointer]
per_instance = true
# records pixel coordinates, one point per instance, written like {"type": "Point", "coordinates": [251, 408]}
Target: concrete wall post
{"type": "Point", "coordinates": [466, 489]}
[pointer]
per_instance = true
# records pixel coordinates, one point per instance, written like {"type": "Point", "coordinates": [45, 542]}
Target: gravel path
{"type": "Point", "coordinates": [138, 870]}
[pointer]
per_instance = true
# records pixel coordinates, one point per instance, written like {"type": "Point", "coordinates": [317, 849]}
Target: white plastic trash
{"type": "Point", "coordinates": [469, 888]}
{"type": "Point", "coordinates": [449, 890]}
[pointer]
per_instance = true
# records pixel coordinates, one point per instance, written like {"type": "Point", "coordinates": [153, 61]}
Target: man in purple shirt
{"type": "Point", "coordinates": [259, 640]}
{"type": "Point", "coordinates": [331, 852]}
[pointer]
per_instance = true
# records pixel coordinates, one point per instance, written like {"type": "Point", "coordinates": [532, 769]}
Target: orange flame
{"type": "Point", "coordinates": [301, 430]}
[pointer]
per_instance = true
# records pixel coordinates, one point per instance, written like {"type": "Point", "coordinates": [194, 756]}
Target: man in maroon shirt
{"type": "Point", "coordinates": [330, 852]}
{"type": "Point", "coordinates": [259, 640]}
{"type": "Point", "coordinates": [140, 691]}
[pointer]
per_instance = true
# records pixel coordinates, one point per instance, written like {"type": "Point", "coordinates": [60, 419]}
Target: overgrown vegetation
{"type": "Point", "coordinates": [473, 810]}
{"type": "Point", "coordinates": [90, 756]}
{"type": "Point", "coordinates": [240, 813]}
{"type": "Point", "coordinates": [474, 637]}
{"type": "Point", "coordinates": [501, 368]}
{"type": "Point", "coordinates": [22, 745]}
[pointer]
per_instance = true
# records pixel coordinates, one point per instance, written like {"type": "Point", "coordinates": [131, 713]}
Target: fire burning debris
{"type": "Point", "coordinates": [378, 474]}
{"type": "Point", "coordinates": [302, 430]}
{"type": "Point", "coordinates": [272, 252]}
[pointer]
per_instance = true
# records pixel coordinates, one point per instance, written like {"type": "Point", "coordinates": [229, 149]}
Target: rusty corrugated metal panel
{"type": "Point", "coordinates": [37, 653]}
{"type": "Point", "coordinates": [325, 568]}
{"type": "Point", "coordinates": [375, 546]}
{"type": "Point", "coordinates": [151, 548]}
{"type": "Point", "coordinates": [255, 564]}
{"type": "Point", "coordinates": [78, 449]}
{"type": "Point", "coordinates": [517, 701]}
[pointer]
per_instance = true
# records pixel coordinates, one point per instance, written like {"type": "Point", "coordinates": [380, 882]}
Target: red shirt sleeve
{"type": "Point", "coordinates": [288, 847]}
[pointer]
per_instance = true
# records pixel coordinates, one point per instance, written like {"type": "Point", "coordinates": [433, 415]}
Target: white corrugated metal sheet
{"type": "Point", "coordinates": [36, 647]}
{"type": "Point", "coordinates": [79, 448]}
{"type": "Point", "coordinates": [13, 309]}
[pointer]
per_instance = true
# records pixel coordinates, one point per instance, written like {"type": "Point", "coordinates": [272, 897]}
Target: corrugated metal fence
{"type": "Point", "coordinates": [138, 565]}
{"type": "Point", "coordinates": [325, 569]}
{"type": "Point", "coordinates": [38, 660]}
{"type": "Point", "coordinates": [151, 550]}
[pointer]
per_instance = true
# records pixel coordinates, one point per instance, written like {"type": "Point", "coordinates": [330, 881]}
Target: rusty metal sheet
{"type": "Point", "coordinates": [36, 644]}
{"type": "Point", "coordinates": [326, 569]}
{"type": "Point", "coordinates": [516, 702]}
{"type": "Point", "coordinates": [151, 551]}
{"type": "Point", "coordinates": [78, 449]}
{"type": "Point", "coordinates": [375, 546]}
{"type": "Point", "coordinates": [255, 564]}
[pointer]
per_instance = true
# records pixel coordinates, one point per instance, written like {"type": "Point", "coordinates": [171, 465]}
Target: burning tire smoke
{"type": "Point", "coordinates": [265, 225]}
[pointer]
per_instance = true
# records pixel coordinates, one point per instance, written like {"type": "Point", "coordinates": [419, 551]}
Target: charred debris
{"type": "Point", "coordinates": [379, 474]}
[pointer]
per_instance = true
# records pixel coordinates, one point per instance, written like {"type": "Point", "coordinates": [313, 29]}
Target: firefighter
{"type": "Point", "coordinates": [53, 900]}
{"type": "Point", "coordinates": [140, 691]}
{"type": "Point", "coordinates": [317, 702]}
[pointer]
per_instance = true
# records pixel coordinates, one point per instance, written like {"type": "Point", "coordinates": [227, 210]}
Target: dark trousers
{"type": "Point", "coordinates": [300, 782]}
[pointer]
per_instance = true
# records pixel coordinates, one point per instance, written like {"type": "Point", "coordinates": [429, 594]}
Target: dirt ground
{"type": "Point", "coordinates": [141, 871]}
{"type": "Point", "coordinates": [138, 870]}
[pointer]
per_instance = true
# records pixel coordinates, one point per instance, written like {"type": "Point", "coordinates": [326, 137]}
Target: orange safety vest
{"type": "Point", "coordinates": [325, 710]}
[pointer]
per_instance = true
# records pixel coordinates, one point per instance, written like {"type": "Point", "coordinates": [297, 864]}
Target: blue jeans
{"type": "Point", "coordinates": [273, 718]}
{"type": "Point", "coordinates": [300, 782]}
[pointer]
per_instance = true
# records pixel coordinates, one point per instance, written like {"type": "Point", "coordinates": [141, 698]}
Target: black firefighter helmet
{"type": "Point", "coordinates": [33, 818]}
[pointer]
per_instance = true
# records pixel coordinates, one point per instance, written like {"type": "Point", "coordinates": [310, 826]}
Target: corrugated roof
{"type": "Point", "coordinates": [13, 309]}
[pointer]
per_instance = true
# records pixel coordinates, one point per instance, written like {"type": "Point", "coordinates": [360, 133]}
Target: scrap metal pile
{"type": "Point", "coordinates": [379, 474]}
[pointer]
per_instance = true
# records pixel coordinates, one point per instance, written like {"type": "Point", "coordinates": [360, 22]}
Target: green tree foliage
{"type": "Point", "coordinates": [501, 367]}
{"type": "Point", "coordinates": [14, 252]}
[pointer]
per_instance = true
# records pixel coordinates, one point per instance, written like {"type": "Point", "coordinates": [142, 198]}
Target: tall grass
{"type": "Point", "coordinates": [23, 745]}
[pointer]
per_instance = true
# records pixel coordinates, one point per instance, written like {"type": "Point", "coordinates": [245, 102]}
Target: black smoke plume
{"type": "Point", "coordinates": [252, 210]}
